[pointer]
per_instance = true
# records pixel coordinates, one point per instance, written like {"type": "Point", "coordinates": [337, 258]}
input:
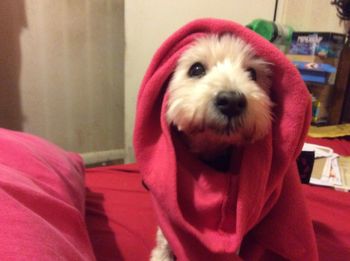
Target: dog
{"type": "Point", "coordinates": [218, 98]}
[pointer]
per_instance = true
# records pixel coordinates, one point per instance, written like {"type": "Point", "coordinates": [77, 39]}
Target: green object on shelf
{"type": "Point", "coordinates": [273, 32]}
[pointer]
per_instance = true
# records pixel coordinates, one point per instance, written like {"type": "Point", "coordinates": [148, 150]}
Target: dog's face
{"type": "Point", "coordinates": [219, 92]}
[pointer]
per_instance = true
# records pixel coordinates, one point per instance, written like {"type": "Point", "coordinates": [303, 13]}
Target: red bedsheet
{"type": "Point", "coordinates": [119, 214]}
{"type": "Point", "coordinates": [122, 224]}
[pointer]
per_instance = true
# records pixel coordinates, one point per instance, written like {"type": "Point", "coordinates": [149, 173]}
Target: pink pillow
{"type": "Point", "coordinates": [42, 198]}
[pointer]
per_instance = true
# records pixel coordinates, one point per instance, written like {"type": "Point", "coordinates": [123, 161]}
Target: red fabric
{"type": "Point", "coordinates": [340, 145]}
{"type": "Point", "coordinates": [116, 203]}
{"type": "Point", "coordinates": [119, 214]}
{"type": "Point", "coordinates": [206, 214]}
{"type": "Point", "coordinates": [330, 210]}
{"type": "Point", "coordinates": [42, 201]}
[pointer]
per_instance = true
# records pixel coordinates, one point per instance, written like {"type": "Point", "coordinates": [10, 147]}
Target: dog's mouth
{"type": "Point", "coordinates": [225, 126]}
{"type": "Point", "coordinates": [232, 126]}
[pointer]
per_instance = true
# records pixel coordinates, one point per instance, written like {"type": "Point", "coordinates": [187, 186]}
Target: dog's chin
{"type": "Point", "coordinates": [211, 139]}
{"type": "Point", "coordinates": [214, 141]}
{"type": "Point", "coordinates": [227, 128]}
{"type": "Point", "coordinates": [219, 134]}
{"type": "Point", "coordinates": [212, 145]}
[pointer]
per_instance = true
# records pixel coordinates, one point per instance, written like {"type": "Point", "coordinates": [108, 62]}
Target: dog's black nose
{"type": "Point", "coordinates": [230, 103]}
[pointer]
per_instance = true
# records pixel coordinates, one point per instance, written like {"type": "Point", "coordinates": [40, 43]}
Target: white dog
{"type": "Point", "coordinates": [218, 98]}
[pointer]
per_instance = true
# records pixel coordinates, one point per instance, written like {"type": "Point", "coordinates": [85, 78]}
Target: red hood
{"type": "Point", "coordinates": [206, 215]}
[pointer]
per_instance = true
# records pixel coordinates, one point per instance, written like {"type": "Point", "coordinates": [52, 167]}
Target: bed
{"type": "Point", "coordinates": [54, 209]}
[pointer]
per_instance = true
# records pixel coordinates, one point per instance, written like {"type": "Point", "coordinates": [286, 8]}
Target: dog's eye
{"type": "Point", "coordinates": [196, 70]}
{"type": "Point", "coordinates": [252, 73]}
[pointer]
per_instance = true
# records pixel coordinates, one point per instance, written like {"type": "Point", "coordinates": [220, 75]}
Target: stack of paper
{"type": "Point", "coordinates": [329, 168]}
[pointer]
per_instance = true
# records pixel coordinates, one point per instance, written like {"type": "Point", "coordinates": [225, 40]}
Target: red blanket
{"type": "Point", "coordinates": [208, 215]}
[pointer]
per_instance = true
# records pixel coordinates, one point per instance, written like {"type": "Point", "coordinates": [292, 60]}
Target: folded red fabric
{"type": "Point", "coordinates": [205, 214]}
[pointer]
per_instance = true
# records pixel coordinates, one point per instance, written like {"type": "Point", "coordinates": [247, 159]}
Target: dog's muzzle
{"type": "Point", "coordinates": [230, 103]}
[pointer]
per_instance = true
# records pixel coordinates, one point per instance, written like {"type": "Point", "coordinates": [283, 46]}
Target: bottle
{"type": "Point", "coordinates": [280, 35]}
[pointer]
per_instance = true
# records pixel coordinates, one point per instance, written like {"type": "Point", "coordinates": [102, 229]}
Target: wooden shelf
{"type": "Point", "coordinates": [340, 101]}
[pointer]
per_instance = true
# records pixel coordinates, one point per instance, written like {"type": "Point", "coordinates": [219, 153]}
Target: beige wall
{"type": "Point", "coordinates": [309, 15]}
{"type": "Point", "coordinates": [63, 73]}
{"type": "Point", "coordinates": [148, 23]}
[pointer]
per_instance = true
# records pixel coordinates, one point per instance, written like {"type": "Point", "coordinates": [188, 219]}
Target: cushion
{"type": "Point", "coordinates": [42, 201]}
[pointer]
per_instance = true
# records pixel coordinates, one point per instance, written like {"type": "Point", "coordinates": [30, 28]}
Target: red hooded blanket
{"type": "Point", "coordinates": [207, 215]}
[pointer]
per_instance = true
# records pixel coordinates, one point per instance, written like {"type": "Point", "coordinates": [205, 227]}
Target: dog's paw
{"type": "Point", "coordinates": [161, 254]}
{"type": "Point", "coordinates": [162, 251]}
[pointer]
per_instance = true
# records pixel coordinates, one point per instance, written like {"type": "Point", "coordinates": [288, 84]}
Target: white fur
{"type": "Point", "coordinates": [192, 111]}
{"type": "Point", "coordinates": [162, 252]}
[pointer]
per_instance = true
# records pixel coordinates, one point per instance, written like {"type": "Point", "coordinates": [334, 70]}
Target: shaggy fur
{"type": "Point", "coordinates": [230, 65]}
{"type": "Point", "coordinates": [227, 61]}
